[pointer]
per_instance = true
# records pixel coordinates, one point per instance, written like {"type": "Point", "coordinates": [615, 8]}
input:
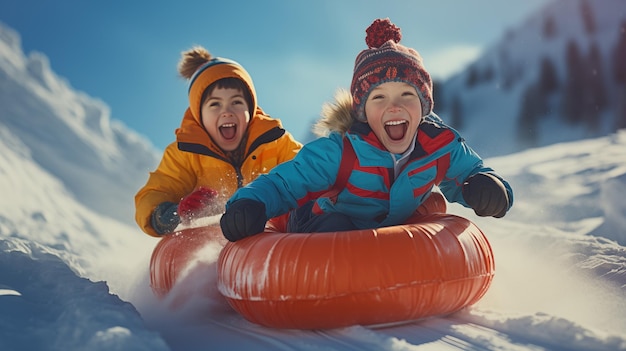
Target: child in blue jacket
{"type": "Point", "coordinates": [402, 151]}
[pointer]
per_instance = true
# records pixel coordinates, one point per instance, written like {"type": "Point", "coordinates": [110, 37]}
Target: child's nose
{"type": "Point", "coordinates": [227, 112]}
{"type": "Point", "coordinates": [394, 107]}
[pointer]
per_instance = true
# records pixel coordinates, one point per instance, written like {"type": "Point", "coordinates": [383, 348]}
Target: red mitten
{"type": "Point", "coordinates": [197, 204]}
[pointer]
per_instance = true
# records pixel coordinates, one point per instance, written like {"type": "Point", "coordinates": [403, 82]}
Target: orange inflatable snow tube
{"type": "Point", "coordinates": [433, 265]}
{"type": "Point", "coordinates": [436, 264]}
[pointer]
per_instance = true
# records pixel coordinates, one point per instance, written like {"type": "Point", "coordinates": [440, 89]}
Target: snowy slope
{"type": "Point", "coordinates": [50, 244]}
{"type": "Point", "coordinates": [71, 135]}
{"type": "Point", "coordinates": [559, 285]}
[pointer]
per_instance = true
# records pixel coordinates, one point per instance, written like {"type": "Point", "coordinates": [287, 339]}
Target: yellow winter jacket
{"type": "Point", "coordinates": [194, 160]}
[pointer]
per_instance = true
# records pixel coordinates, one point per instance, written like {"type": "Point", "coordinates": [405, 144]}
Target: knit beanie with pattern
{"type": "Point", "coordinates": [215, 69]}
{"type": "Point", "coordinates": [386, 60]}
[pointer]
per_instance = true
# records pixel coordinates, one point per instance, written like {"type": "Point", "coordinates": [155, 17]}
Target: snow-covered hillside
{"type": "Point", "coordinates": [509, 94]}
{"type": "Point", "coordinates": [560, 272]}
{"type": "Point", "coordinates": [101, 162]}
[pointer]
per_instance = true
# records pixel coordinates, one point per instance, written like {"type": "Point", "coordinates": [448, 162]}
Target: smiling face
{"type": "Point", "coordinates": [394, 112]}
{"type": "Point", "coordinates": [225, 116]}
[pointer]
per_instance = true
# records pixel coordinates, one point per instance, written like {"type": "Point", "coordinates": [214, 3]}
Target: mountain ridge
{"type": "Point", "coordinates": [502, 89]}
{"type": "Point", "coordinates": [71, 134]}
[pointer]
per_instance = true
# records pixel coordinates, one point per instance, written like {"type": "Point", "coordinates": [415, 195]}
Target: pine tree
{"type": "Point", "coordinates": [619, 72]}
{"type": "Point", "coordinates": [588, 17]}
{"type": "Point", "coordinates": [574, 89]}
{"type": "Point", "coordinates": [619, 56]}
{"type": "Point", "coordinates": [488, 73]}
{"type": "Point", "coordinates": [438, 99]}
{"type": "Point", "coordinates": [456, 112]}
{"type": "Point", "coordinates": [549, 27]}
{"type": "Point", "coordinates": [506, 75]}
{"type": "Point", "coordinates": [595, 99]}
{"type": "Point", "coordinates": [620, 118]}
{"type": "Point", "coordinates": [548, 80]}
{"type": "Point", "coordinates": [472, 77]}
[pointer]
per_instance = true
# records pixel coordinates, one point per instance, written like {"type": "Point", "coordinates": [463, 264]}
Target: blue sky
{"type": "Point", "coordinates": [298, 52]}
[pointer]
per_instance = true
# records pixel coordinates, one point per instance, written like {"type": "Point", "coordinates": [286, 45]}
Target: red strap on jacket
{"type": "Point", "coordinates": [443, 163]}
{"type": "Point", "coordinates": [348, 157]}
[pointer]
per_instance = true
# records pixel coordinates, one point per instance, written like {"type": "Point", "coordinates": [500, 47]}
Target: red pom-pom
{"type": "Point", "coordinates": [381, 31]}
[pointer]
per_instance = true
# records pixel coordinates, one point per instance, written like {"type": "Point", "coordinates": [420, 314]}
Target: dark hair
{"type": "Point", "coordinates": [231, 83]}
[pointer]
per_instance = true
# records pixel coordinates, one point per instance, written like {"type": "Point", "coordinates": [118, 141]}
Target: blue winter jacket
{"type": "Point", "coordinates": [371, 197]}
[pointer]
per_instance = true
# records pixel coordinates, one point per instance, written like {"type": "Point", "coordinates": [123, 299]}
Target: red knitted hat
{"type": "Point", "coordinates": [388, 61]}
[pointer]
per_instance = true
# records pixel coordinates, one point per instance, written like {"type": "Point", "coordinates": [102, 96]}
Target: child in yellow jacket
{"type": "Point", "coordinates": [224, 142]}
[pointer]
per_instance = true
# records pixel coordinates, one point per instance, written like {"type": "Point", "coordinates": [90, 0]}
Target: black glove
{"type": "Point", "coordinates": [486, 194]}
{"type": "Point", "coordinates": [165, 218]}
{"type": "Point", "coordinates": [243, 218]}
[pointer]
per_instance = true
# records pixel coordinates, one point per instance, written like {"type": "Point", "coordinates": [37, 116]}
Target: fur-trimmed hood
{"type": "Point", "coordinates": [337, 116]}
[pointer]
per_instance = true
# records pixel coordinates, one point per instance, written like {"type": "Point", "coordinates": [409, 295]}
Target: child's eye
{"type": "Point", "coordinates": [376, 97]}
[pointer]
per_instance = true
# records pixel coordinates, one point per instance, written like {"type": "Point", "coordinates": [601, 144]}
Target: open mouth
{"type": "Point", "coordinates": [228, 131]}
{"type": "Point", "coordinates": [396, 130]}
